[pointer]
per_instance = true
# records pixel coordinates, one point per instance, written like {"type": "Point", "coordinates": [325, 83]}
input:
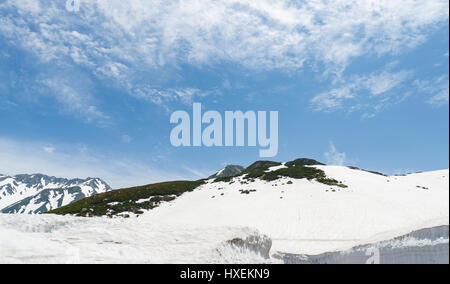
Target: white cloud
{"type": "Point", "coordinates": [118, 39]}
{"type": "Point", "coordinates": [18, 157]}
{"type": "Point", "coordinates": [163, 96]}
{"type": "Point", "coordinates": [372, 92]}
{"type": "Point", "coordinates": [75, 100]}
{"type": "Point", "coordinates": [334, 157]}
{"type": "Point", "coordinates": [437, 88]}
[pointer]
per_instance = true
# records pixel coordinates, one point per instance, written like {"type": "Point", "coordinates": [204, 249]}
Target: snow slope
{"type": "Point", "coordinates": [32, 194]}
{"type": "Point", "coordinates": [311, 218]}
{"type": "Point", "coordinates": [240, 223]}
{"type": "Point", "coordinates": [58, 239]}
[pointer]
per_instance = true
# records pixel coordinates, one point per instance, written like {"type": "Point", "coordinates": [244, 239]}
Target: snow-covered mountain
{"type": "Point", "coordinates": [306, 216]}
{"type": "Point", "coordinates": [34, 194]}
{"type": "Point", "coordinates": [294, 212]}
{"type": "Point", "coordinates": [228, 171]}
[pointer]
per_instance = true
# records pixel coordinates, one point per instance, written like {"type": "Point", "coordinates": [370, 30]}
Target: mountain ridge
{"type": "Point", "coordinates": [38, 193]}
{"type": "Point", "coordinates": [266, 171]}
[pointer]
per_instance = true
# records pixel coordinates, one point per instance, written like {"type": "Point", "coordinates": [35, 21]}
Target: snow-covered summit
{"type": "Point", "coordinates": [38, 193]}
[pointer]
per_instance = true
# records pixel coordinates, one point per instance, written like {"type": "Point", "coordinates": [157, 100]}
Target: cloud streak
{"type": "Point", "coordinates": [437, 88]}
{"type": "Point", "coordinates": [369, 92]}
{"type": "Point", "coordinates": [75, 100]}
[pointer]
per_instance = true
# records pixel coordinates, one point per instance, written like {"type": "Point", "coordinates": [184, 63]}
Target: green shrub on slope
{"type": "Point", "coordinates": [128, 199]}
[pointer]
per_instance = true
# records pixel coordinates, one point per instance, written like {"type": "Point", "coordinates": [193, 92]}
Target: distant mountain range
{"type": "Point", "coordinates": [37, 193]}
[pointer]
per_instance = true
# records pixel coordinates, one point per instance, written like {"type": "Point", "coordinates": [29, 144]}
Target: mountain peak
{"type": "Point", "coordinates": [304, 162]}
{"type": "Point", "coordinates": [228, 171]}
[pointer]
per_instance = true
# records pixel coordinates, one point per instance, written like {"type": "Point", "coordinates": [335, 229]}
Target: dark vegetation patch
{"type": "Point", "coordinates": [304, 162]}
{"type": "Point", "coordinates": [372, 172]}
{"type": "Point", "coordinates": [254, 174]}
{"type": "Point", "coordinates": [298, 169]}
{"type": "Point", "coordinates": [258, 169]}
{"type": "Point", "coordinates": [261, 165]}
{"type": "Point", "coordinates": [297, 172]}
{"type": "Point", "coordinates": [115, 202]}
{"type": "Point", "coordinates": [302, 172]}
{"type": "Point", "coordinates": [294, 170]}
{"type": "Point", "coordinates": [422, 187]}
{"type": "Point", "coordinates": [247, 192]}
{"type": "Point", "coordinates": [224, 179]}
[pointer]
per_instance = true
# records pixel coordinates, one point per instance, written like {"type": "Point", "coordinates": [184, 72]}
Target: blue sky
{"type": "Point", "coordinates": [90, 93]}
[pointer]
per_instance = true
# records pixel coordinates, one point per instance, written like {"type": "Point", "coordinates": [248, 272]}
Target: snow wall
{"type": "Point", "coordinates": [426, 246]}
